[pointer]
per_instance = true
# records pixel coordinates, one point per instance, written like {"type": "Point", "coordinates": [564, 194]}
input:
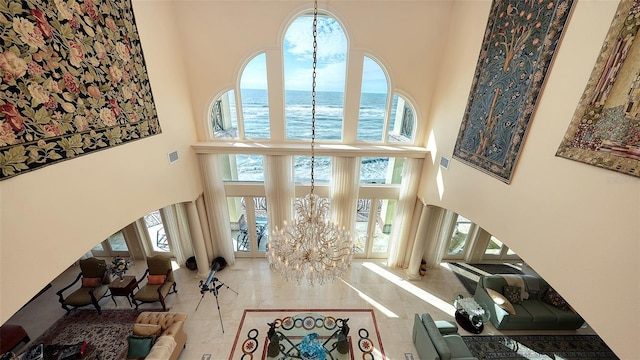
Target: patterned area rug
{"type": "Point", "coordinates": [106, 334]}
{"type": "Point", "coordinates": [252, 342]}
{"type": "Point", "coordinates": [533, 347]}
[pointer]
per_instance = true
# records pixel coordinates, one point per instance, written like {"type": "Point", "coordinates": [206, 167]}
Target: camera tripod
{"type": "Point", "coordinates": [213, 285]}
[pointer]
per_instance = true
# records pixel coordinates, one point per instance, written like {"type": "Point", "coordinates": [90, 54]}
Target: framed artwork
{"type": "Point", "coordinates": [73, 80]}
{"type": "Point", "coordinates": [517, 51]}
{"type": "Point", "coordinates": [605, 128]}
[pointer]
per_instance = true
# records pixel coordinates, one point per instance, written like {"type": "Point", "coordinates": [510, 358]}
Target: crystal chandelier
{"type": "Point", "coordinates": [311, 247]}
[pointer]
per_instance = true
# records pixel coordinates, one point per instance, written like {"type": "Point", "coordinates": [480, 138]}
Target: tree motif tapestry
{"type": "Point", "coordinates": [605, 129]}
{"type": "Point", "coordinates": [73, 81]}
{"type": "Point", "coordinates": [517, 50]}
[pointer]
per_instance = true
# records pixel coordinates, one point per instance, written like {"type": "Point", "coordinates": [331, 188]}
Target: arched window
{"type": "Point", "coordinates": [254, 94]}
{"type": "Point", "coordinates": [331, 70]}
{"type": "Point", "coordinates": [263, 122]}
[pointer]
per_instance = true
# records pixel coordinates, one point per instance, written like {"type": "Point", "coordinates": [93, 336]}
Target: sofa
{"type": "Point", "coordinates": [524, 302]}
{"type": "Point", "coordinates": [438, 340]}
{"type": "Point", "coordinates": [157, 336]}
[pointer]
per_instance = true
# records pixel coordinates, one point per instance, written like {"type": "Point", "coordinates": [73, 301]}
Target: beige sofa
{"type": "Point", "coordinates": [172, 338]}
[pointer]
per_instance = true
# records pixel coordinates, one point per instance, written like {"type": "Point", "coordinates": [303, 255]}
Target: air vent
{"type": "Point", "coordinates": [173, 156]}
{"type": "Point", "coordinates": [444, 162]}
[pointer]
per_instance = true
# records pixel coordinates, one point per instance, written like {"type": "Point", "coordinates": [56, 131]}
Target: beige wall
{"type": "Point", "coordinates": [52, 216]}
{"type": "Point", "coordinates": [577, 225]}
{"type": "Point", "coordinates": [221, 36]}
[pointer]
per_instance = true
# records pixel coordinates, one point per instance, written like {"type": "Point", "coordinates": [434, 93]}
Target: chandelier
{"type": "Point", "coordinates": [311, 246]}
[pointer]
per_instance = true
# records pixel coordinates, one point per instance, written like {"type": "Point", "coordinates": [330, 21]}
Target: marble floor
{"type": "Point", "coordinates": [369, 284]}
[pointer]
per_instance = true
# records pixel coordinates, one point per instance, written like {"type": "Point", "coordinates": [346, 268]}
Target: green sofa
{"type": "Point", "coordinates": [438, 340]}
{"type": "Point", "coordinates": [541, 308]}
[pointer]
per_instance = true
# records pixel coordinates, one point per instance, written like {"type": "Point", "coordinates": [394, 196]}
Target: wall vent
{"type": "Point", "coordinates": [444, 162]}
{"type": "Point", "coordinates": [173, 156]}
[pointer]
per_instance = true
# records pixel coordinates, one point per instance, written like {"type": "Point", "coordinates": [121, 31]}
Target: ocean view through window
{"type": "Point", "coordinates": [255, 109]}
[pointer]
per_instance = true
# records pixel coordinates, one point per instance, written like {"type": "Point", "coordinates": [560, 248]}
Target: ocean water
{"type": "Point", "coordinates": [329, 115]}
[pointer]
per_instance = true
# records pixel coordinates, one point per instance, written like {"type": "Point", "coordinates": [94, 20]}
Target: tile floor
{"type": "Point", "coordinates": [369, 284]}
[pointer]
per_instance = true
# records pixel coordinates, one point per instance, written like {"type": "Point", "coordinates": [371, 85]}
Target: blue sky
{"type": "Point", "coordinates": [298, 57]}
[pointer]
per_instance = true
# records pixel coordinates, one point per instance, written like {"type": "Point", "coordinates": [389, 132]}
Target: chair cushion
{"type": "Point", "coordinates": [156, 279]}
{"type": "Point", "coordinates": [93, 267]}
{"type": "Point", "coordinates": [90, 281]}
{"type": "Point", "coordinates": [82, 297]}
{"type": "Point", "coordinates": [149, 293]}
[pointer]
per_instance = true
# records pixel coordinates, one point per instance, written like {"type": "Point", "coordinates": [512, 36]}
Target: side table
{"type": "Point", "coordinates": [469, 314]}
{"type": "Point", "coordinates": [123, 287]}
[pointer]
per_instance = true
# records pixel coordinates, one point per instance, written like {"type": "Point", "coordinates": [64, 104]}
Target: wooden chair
{"type": "Point", "coordinates": [160, 282]}
{"type": "Point", "coordinates": [95, 281]}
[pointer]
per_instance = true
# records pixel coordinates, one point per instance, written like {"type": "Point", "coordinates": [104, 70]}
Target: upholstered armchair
{"type": "Point", "coordinates": [94, 285]}
{"type": "Point", "coordinates": [160, 282]}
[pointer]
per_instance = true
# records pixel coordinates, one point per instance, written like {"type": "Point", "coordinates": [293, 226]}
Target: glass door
{"type": "Point", "coordinates": [373, 227]}
{"type": "Point", "coordinates": [458, 238]}
{"type": "Point", "coordinates": [249, 225]}
{"type": "Point", "coordinates": [156, 236]}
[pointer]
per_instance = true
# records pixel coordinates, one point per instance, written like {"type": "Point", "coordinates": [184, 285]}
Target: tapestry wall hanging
{"type": "Point", "coordinates": [517, 50]}
{"type": "Point", "coordinates": [73, 81]}
{"type": "Point", "coordinates": [605, 129]}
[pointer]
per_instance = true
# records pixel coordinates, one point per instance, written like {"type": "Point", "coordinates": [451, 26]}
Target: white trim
{"type": "Point", "coordinates": [321, 149]}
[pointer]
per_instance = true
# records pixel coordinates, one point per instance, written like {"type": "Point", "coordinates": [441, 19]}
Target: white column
{"type": "Point", "coordinates": [204, 227]}
{"type": "Point", "coordinates": [197, 240]}
{"type": "Point", "coordinates": [417, 253]}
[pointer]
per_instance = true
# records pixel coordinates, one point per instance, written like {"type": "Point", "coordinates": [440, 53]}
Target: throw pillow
{"type": "Point", "coordinates": [552, 297]}
{"type": "Point", "coordinates": [139, 346]}
{"type": "Point", "coordinates": [513, 294]}
{"type": "Point", "coordinates": [90, 281]}
{"type": "Point", "coordinates": [147, 329]}
{"type": "Point", "coordinates": [156, 279]}
{"type": "Point", "coordinates": [501, 301]}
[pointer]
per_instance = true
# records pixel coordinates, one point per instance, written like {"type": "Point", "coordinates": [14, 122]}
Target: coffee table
{"type": "Point", "coordinates": [123, 287]}
{"type": "Point", "coordinates": [286, 339]}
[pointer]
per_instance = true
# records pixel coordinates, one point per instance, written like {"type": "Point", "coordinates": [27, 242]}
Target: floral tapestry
{"type": "Point", "coordinates": [73, 81]}
{"type": "Point", "coordinates": [517, 50]}
{"type": "Point", "coordinates": [605, 129]}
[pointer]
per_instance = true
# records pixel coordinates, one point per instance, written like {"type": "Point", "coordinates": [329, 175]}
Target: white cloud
{"type": "Point", "coordinates": [332, 43]}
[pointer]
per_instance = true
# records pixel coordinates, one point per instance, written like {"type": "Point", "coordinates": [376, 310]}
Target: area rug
{"type": "Point", "coordinates": [468, 274]}
{"type": "Point", "coordinates": [106, 334]}
{"type": "Point", "coordinates": [533, 347]}
{"type": "Point", "coordinates": [252, 342]}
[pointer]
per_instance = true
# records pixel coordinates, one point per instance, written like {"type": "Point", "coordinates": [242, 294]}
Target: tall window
{"type": "Point", "coordinates": [331, 70]}
{"type": "Point", "coordinates": [373, 102]}
{"type": "Point", "coordinates": [458, 239]}
{"type": "Point", "coordinates": [114, 245]}
{"type": "Point", "coordinates": [250, 114]}
{"type": "Point", "coordinates": [253, 91]}
{"type": "Point", "coordinates": [157, 235]}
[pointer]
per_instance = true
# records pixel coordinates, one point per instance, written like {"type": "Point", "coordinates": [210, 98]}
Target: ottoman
{"type": "Point", "coordinates": [11, 336]}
